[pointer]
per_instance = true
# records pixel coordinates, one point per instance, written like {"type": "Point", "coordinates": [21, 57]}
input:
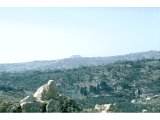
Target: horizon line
{"type": "Point", "coordinates": [79, 57]}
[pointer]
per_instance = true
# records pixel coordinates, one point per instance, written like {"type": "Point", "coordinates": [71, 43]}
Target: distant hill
{"type": "Point", "coordinates": [75, 56]}
{"type": "Point", "coordinates": [76, 61]}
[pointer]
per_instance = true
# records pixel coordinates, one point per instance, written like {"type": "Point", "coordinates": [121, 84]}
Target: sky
{"type": "Point", "coordinates": [28, 34]}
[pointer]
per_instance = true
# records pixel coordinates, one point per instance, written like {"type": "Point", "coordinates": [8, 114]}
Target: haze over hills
{"type": "Point", "coordinates": [130, 83]}
{"type": "Point", "coordinates": [75, 56]}
{"type": "Point", "coordinates": [75, 61]}
{"type": "Point", "coordinates": [129, 86]}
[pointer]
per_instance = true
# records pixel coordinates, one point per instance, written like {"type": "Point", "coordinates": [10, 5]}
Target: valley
{"type": "Point", "coordinates": [128, 85]}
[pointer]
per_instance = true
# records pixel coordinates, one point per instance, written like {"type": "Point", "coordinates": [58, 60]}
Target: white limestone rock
{"type": "Point", "coordinates": [102, 108]}
{"type": "Point", "coordinates": [47, 91]}
{"type": "Point", "coordinates": [31, 104]}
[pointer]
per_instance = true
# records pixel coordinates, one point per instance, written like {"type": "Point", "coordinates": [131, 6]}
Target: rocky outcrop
{"type": "Point", "coordinates": [48, 99]}
{"type": "Point", "coordinates": [47, 91]}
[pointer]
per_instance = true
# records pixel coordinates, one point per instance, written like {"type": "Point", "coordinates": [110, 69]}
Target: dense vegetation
{"type": "Point", "coordinates": [117, 83]}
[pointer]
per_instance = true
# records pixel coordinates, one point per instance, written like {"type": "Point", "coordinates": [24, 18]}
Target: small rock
{"type": "Point", "coordinates": [133, 101]}
{"type": "Point", "coordinates": [102, 108]}
{"type": "Point", "coordinates": [148, 99]}
{"type": "Point", "coordinates": [144, 111]}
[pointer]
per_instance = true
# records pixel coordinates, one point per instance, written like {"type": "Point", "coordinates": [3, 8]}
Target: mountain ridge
{"type": "Point", "coordinates": [74, 62]}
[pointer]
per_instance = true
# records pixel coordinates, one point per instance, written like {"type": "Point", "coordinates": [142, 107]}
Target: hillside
{"type": "Point", "coordinates": [75, 61]}
{"type": "Point", "coordinates": [125, 84]}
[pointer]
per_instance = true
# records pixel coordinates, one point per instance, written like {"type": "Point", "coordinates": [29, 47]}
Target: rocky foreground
{"type": "Point", "coordinates": [48, 99]}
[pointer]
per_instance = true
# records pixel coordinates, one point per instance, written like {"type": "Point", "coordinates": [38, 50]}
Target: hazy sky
{"type": "Point", "coordinates": [28, 34]}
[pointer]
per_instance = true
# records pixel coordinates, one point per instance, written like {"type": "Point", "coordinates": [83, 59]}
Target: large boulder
{"type": "Point", "coordinates": [47, 91]}
{"type": "Point", "coordinates": [31, 104]}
